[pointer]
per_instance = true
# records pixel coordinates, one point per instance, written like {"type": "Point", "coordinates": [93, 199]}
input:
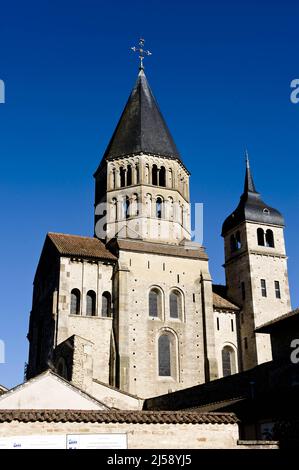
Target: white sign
{"type": "Point", "coordinates": [69, 441]}
{"type": "Point", "coordinates": [97, 441]}
{"type": "Point", "coordinates": [33, 442]}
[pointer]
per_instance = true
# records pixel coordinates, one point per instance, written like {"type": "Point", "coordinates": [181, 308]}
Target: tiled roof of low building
{"type": "Point", "coordinates": [114, 416]}
{"type": "Point", "coordinates": [75, 245]}
{"type": "Point", "coordinates": [277, 321]}
{"type": "Point", "coordinates": [187, 250]}
{"type": "Point", "coordinates": [220, 300]}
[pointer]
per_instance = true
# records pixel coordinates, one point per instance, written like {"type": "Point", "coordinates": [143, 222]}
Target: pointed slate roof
{"type": "Point", "coordinates": [141, 127]}
{"type": "Point", "coordinates": [251, 207]}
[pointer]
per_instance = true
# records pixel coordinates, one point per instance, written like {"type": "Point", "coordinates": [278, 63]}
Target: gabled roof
{"type": "Point", "coordinates": [220, 300]}
{"type": "Point", "coordinates": [49, 391]}
{"type": "Point", "coordinates": [2, 389]}
{"type": "Point", "coordinates": [141, 127]}
{"type": "Point", "coordinates": [184, 250]}
{"type": "Point", "coordinates": [252, 208]}
{"type": "Point", "coordinates": [74, 245]}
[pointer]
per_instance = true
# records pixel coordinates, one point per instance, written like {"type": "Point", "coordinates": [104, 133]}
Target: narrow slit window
{"type": "Point", "coordinates": [277, 290]}
{"type": "Point", "coordinates": [264, 288]}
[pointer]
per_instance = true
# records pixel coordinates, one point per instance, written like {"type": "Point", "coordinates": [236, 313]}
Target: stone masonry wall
{"type": "Point", "coordinates": [140, 436]}
{"type": "Point", "coordinates": [139, 333]}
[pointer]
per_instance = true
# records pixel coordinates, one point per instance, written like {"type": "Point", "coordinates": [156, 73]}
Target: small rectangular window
{"type": "Point", "coordinates": [193, 297]}
{"type": "Point", "coordinates": [218, 327]}
{"type": "Point", "coordinates": [263, 288]}
{"type": "Point", "coordinates": [243, 290]}
{"type": "Point", "coordinates": [178, 278]}
{"type": "Point", "coordinates": [245, 343]}
{"type": "Point", "coordinates": [232, 324]}
{"type": "Point", "coordinates": [163, 266]}
{"type": "Point", "coordinates": [148, 265]}
{"type": "Point", "coordinates": [277, 290]}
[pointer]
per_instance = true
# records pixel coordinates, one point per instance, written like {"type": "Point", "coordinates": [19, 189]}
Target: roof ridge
{"type": "Point", "coordinates": [73, 235]}
{"type": "Point", "coordinates": [121, 416]}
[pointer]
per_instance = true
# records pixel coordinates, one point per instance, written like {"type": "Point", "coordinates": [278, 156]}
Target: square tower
{"type": "Point", "coordinates": [256, 269]}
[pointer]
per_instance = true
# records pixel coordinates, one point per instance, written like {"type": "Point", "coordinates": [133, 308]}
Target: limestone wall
{"type": "Point", "coordinates": [226, 334]}
{"type": "Point", "coordinates": [86, 276]}
{"type": "Point", "coordinates": [249, 265]}
{"type": "Point", "coordinates": [140, 436]}
{"type": "Point", "coordinates": [139, 333]}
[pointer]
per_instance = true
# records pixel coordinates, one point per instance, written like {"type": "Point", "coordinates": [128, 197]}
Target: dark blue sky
{"type": "Point", "coordinates": [221, 71]}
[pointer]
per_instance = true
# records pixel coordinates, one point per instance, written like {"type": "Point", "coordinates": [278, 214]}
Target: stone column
{"type": "Point", "coordinates": [117, 178]}
{"type": "Point", "coordinates": [134, 173]}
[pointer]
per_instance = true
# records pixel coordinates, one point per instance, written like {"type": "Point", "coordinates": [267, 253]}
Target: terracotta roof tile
{"type": "Point", "coordinates": [75, 245]}
{"type": "Point", "coordinates": [187, 250]}
{"type": "Point", "coordinates": [137, 417]}
{"type": "Point", "coordinates": [220, 300]}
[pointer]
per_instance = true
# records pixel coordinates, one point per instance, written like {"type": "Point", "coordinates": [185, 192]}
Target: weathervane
{"type": "Point", "coordinates": [141, 51]}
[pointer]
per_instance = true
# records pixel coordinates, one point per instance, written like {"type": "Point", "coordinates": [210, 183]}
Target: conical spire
{"type": "Point", "coordinates": [251, 207]}
{"type": "Point", "coordinates": [249, 183]}
{"type": "Point", "coordinates": [141, 127]}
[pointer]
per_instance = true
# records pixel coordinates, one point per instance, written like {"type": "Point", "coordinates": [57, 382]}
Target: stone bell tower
{"type": "Point", "coordinates": [163, 321]}
{"type": "Point", "coordinates": [142, 185]}
{"type": "Point", "coordinates": [256, 269]}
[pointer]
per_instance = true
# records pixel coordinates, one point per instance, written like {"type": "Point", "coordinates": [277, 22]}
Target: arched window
{"type": "Point", "coordinates": [126, 208]}
{"type": "Point", "coordinates": [129, 175]}
{"type": "Point", "coordinates": [164, 356]}
{"type": "Point", "coordinates": [122, 173]}
{"type": "Point", "coordinates": [260, 237]}
{"type": "Point", "coordinates": [90, 303]}
{"type": "Point", "coordinates": [147, 174]}
{"type": "Point", "coordinates": [233, 243]}
{"type": "Point", "coordinates": [175, 304]}
{"type": "Point", "coordinates": [75, 302]}
{"type": "Point", "coordinates": [155, 303]}
{"type": "Point", "coordinates": [155, 175]}
{"type": "Point", "coordinates": [137, 173]}
{"type": "Point", "coordinates": [159, 207]}
{"type": "Point", "coordinates": [238, 240]}
{"type": "Point", "coordinates": [106, 304]}
{"type": "Point", "coordinates": [269, 239]}
{"type": "Point", "coordinates": [228, 361]}
{"type": "Point", "coordinates": [113, 180]}
{"type": "Point", "coordinates": [170, 178]}
{"type": "Point", "coordinates": [162, 176]}
{"type": "Point", "coordinates": [114, 210]}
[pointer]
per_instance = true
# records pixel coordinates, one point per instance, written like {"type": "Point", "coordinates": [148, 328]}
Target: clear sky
{"type": "Point", "coordinates": [221, 72]}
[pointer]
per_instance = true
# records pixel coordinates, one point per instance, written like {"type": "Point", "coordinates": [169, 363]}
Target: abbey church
{"type": "Point", "coordinates": [134, 306]}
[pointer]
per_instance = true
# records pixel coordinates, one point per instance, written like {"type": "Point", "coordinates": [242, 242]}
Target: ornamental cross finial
{"type": "Point", "coordinates": [141, 52]}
